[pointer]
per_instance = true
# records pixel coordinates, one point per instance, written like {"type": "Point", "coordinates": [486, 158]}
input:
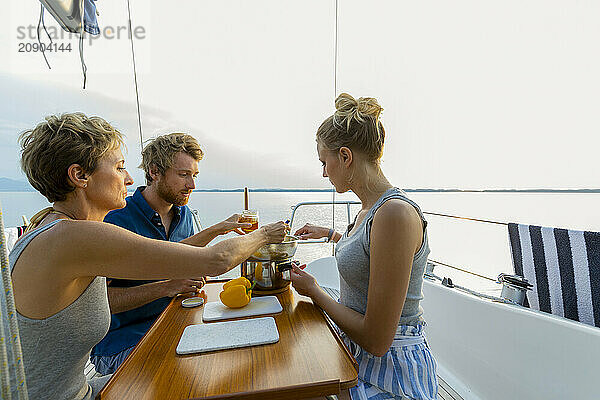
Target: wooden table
{"type": "Point", "coordinates": [309, 360]}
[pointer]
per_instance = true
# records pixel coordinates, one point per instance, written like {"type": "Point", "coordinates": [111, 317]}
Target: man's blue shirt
{"type": "Point", "coordinates": [127, 328]}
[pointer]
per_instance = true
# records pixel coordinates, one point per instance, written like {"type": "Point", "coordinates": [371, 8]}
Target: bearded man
{"type": "Point", "coordinates": [157, 211]}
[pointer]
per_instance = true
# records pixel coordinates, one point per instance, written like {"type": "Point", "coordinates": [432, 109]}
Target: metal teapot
{"type": "Point", "coordinates": [270, 266]}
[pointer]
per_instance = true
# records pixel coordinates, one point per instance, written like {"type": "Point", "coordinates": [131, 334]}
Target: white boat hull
{"type": "Point", "coordinates": [490, 351]}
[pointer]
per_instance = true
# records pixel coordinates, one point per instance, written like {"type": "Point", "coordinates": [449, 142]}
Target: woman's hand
{"type": "Point", "coordinates": [310, 231]}
{"type": "Point", "coordinates": [275, 232]}
{"type": "Point", "coordinates": [304, 283]}
{"type": "Point", "coordinates": [231, 224]}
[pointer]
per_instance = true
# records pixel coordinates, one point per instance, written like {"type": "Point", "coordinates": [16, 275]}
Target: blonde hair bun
{"type": "Point", "coordinates": [354, 124]}
{"type": "Point", "coordinates": [347, 107]}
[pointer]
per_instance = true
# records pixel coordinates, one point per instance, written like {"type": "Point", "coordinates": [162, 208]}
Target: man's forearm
{"type": "Point", "coordinates": [203, 237]}
{"type": "Point", "coordinates": [123, 299]}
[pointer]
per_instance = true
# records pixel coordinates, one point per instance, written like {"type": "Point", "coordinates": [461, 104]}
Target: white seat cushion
{"type": "Point", "coordinates": [10, 235]}
{"type": "Point", "coordinates": [325, 272]}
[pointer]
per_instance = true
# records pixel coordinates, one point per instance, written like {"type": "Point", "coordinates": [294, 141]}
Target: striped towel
{"type": "Point", "coordinates": [564, 268]}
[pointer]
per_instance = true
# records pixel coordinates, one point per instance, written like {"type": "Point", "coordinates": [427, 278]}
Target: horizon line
{"type": "Point", "coordinates": [412, 190]}
{"type": "Point", "coordinates": [408, 190]}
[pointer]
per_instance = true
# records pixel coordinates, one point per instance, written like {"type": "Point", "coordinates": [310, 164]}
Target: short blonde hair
{"type": "Point", "coordinates": [160, 152]}
{"type": "Point", "coordinates": [356, 125]}
{"type": "Point", "coordinates": [49, 149]}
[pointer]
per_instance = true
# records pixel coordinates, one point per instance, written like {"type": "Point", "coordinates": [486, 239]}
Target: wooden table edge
{"type": "Point", "coordinates": [152, 328]}
{"type": "Point", "coordinates": [337, 336]}
{"type": "Point", "coordinates": [289, 392]}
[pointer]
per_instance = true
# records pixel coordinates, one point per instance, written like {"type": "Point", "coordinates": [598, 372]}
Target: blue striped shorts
{"type": "Point", "coordinates": [406, 371]}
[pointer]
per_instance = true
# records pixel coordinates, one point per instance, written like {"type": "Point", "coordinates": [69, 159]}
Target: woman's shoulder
{"type": "Point", "coordinates": [66, 244]}
{"type": "Point", "coordinates": [397, 211]}
{"type": "Point", "coordinates": [84, 237]}
{"type": "Point", "coordinates": [61, 235]}
{"type": "Point", "coordinates": [397, 221]}
{"type": "Point", "coordinates": [397, 207]}
{"type": "Point", "coordinates": [68, 229]}
{"type": "Point", "coordinates": [44, 230]}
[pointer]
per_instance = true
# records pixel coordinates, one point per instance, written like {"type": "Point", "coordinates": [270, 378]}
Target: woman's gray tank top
{"type": "Point", "coordinates": [352, 255]}
{"type": "Point", "coordinates": [56, 349]}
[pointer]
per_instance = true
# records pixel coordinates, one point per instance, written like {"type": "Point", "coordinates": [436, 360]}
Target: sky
{"type": "Point", "coordinates": [494, 94]}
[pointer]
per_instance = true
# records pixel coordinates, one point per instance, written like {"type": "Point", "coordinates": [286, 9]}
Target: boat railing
{"type": "Point", "coordinates": [347, 203]}
{"type": "Point", "coordinates": [196, 219]}
{"type": "Point", "coordinates": [431, 263]}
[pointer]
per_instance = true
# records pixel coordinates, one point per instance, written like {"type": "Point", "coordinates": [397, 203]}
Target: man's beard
{"type": "Point", "coordinates": [171, 196]}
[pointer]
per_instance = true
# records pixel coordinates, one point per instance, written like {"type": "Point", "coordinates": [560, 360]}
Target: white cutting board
{"type": "Point", "coordinates": [228, 335]}
{"type": "Point", "coordinates": [215, 311]}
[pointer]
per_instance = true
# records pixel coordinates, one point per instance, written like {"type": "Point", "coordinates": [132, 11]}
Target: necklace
{"type": "Point", "coordinates": [55, 211]}
{"type": "Point", "coordinates": [40, 215]}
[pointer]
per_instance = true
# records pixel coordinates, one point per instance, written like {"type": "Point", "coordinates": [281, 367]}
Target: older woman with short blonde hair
{"type": "Point", "coordinates": [59, 266]}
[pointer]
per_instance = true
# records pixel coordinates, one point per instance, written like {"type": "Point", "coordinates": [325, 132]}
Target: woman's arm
{"type": "Point", "coordinates": [310, 231]}
{"type": "Point", "coordinates": [88, 248]}
{"type": "Point", "coordinates": [396, 235]}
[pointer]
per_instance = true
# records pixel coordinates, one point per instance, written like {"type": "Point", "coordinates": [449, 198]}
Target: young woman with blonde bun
{"type": "Point", "coordinates": [381, 261]}
{"type": "Point", "coordinates": [59, 267]}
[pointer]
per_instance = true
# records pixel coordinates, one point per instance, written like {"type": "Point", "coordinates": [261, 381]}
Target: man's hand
{"type": "Point", "coordinates": [204, 237]}
{"type": "Point", "coordinates": [123, 299]}
{"type": "Point", "coordinates": [231, 224]}
{"type": "Point", "coordinates": [173, 287]}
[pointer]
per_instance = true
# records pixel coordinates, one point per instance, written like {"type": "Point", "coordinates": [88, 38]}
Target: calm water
{"type": "Point", "coordinates": [474, 246]}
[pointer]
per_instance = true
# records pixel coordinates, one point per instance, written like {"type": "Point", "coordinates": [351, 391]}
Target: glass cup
{"type": "Point", "coordinates": [249, 216]}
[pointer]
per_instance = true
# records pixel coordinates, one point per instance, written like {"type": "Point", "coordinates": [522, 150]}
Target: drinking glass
{"type": "Point", "coordinates": [249, 216]}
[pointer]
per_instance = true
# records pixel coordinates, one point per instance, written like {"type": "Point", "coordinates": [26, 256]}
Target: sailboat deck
{"type": "Point", "coordinates": [446, 392]}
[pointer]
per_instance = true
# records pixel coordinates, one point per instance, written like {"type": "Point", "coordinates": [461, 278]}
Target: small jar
{"type": "Point", "coordinates": [249, 216]}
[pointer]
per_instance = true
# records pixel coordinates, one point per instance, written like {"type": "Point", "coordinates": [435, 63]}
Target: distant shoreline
{"type": "Point", "coordinates": [417, 190]}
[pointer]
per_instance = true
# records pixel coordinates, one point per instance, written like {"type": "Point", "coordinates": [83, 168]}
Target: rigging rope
{"type": "Point", "coordinates": [5, 372]}
{"type": "Point", "coordinates": [137, 95]}
{"type": "Point", "coordinates": [41, 23]}
{"type": "Point", "coordinates": [335, 60]}
{"type": "Point", "coordinates": [13, 326]}
{"type": "Point", "coordinates": [335, 52]}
